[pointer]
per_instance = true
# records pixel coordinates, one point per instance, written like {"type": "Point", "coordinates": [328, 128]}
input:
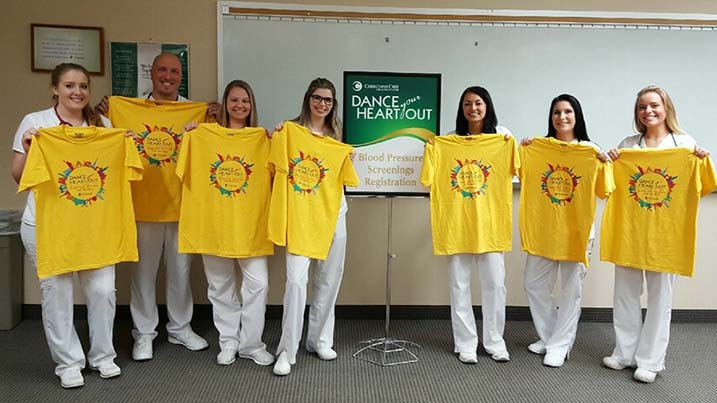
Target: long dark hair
{"type": "Point", "coordinates": [580, 131]}
{"type": "Point", "coordinates": [91, 117]}
{"type": "Point", "coordinates": [490, 121]}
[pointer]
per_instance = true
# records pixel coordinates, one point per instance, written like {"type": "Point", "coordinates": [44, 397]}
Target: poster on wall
{"type": "Point", "coordinates": [131, 63]}
{"type": "Point", "coordinates": [388, 117]}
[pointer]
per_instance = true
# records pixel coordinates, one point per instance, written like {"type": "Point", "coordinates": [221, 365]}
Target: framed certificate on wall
{"type": "Point", "coordinates": [55, 44]}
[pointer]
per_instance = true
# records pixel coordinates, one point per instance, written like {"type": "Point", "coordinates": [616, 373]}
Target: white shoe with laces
{"type": "Point", "coordinates": [189, 339]}
{"type": "Point", "coordinates": [142, 349]}
{"type": "Point", "coordinates": [644, 375]}
{"type": "Point", "coordinates": [72, 378]}
{"type": "Point", "coordinates": [612, 363]}
{"type": "Point", "coordinates": [468, 357]}
{"type": "Point", "coordinates": [227, 356]}
{"type": "Point", "coordinates": [500, 356]}
{"type": "Point", "coordinates": [326, 354]}
{"type": "Point", "coordinates": [108, 370]}
{"type": "Point", "coordinates": [554, 360]}
{"type": "Point", "coordinates": [261, 357]}
{"type": "Point", "coordinates": [537, 348]}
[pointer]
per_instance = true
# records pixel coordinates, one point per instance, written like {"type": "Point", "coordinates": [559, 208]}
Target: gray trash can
{"type": "Point", "coordinates": [11, 271]}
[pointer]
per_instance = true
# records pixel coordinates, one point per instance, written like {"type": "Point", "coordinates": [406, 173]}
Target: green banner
{"type": "Point", "coordinates": [388, 117]}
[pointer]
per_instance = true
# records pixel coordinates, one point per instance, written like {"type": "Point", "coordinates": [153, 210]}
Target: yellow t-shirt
{"type": "Point", "coordinates": [650, 220]}
{"type": "Point", "coordinates": [471, 192]}
{"type": "Point", "coordinates": [310, 172]}
{"type": "Point", "coordinates": [559, 183]}
{"type": "Point", "coordinates": [159, 126]}
{"type": "Point", "coordinates": [225, 192]}
{"type": "Point", "coordinates": [80, 177]}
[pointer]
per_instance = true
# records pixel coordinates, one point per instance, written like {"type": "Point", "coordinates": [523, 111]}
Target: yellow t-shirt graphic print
{"type": "Point", "coordinates": [310, 172]}
{"type": "Point", "coordinates": [158, 127]}
{"type": "Point", "coordinates": [226, 188]}
{"type": "Point", "coordinates": [650, 221]}
{"type": "Point", "coordinates": [471, 192]}
{"type": "Point", "coordinates": [559, 184]}
{"type": "Point", "coordinates": [80, 177]}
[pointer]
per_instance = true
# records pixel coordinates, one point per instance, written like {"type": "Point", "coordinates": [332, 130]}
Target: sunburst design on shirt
{"type": "Point", "coordinates": [83, 183]}
{"type": "Point", "coordinates": [651, 187]}
{"type": "Point", "coordinates": [470, 178]}
{"type": "Point", "coordinates": [306, 173]}
{"type": "Point", "coordinates": [158, 154]}
{"type": "Point", "coordinates": [230, 174]}
{"type": "Point", "coordinates": [559, 184]}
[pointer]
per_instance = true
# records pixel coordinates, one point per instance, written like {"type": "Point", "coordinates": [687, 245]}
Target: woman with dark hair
{"type": "Point", "coordinates": [71, 92]}
{"type": "Point", "coordinates": [318, 122]}
{"type": "Point", "coordinates": [476, 116]}
{"type": "Point", "coordinates": [556, 321]}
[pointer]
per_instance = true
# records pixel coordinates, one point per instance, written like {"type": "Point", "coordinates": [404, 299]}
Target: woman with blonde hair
{"type": "Point", "coordinates": [637, 343]}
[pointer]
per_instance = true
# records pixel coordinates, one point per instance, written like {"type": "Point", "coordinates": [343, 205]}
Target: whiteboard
{"type": "Point", "coordinates": [523, 65]}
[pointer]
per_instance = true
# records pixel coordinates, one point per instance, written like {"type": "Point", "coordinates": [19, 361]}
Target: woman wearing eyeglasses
{"type": "Point", "coordinates": [319, 116]}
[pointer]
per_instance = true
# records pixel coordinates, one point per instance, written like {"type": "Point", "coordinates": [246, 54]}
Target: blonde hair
{"type": "Point", "coordinates": [89, 114]}
{"type": "Point", "coordinates": [331, 121]}
{"type": "Point", "coordinates": [671, 121]}
{"type": "Point", "coordinates": [251, 120]}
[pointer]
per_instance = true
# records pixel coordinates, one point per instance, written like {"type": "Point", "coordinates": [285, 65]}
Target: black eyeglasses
{"type": "Point", "coordinates": [317, 99]}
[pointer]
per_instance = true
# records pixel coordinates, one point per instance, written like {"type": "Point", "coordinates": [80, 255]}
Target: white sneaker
{"type": "Point", "coordinates": [226, 357]}
{"type": "Point", "coordinates": [500, 356]}
{"type": "Point", "coordinates": [142, 349]}
{"type": "Point", "coordinates": [261, 357]}
{"type": "Point", "coordinates": [326, 354]}
{"type": "Point", "coordinates": [190, 340]}
{"type": "Point", "coordinates": [468, 358]}
{"type": "Point", "coordinates": [554, 360]}
{"type": "Point", "coordinates": [72, 378]}
{"type": "Point", "coordinates": [109, 370]}
{"type": "Point", "coordinates": [282, 366]}
{"type": "Point", "coordinates": [537, 348]}
{"type": "Point", "coordinates": [644, 375]}
{"type": "Point", "coordinates": [612, 363]}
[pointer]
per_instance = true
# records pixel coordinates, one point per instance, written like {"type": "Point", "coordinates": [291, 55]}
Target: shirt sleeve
{"type": "Point", "coordinates": [707, 181]}
{"type": "Point", "coordinates": [348, 172]}
{"type": "Point", "coordinates": [605, 183]}
{"type": "Point", "coordinates": [522, 151]}
{"type": "Point", "coordinates": [278, 156]}
{"type": "Point", "coordinates": [183, 158]}
{"type": "Point", "coordinates": [428, 169]}
{"type": "Point", "coordinates": [36, 170]}
{"type": "Point", "coordinates": [132, 160]}
{"type": "Point", "coordinates": [515, 163]}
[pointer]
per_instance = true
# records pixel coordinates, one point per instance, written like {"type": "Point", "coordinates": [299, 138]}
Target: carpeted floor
{"type": "Point", "coordinates": [177, 375]}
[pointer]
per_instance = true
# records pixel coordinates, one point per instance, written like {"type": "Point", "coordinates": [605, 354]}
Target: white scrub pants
{"type": "Point", "coordinates": [327, 279]}
{"type": "Point", "coordinates": [98, 286]}
{"type": "Point", "coordinates": [152, 239]}
{"type": "Point", "coordinates": [240, 324]}
{"type": "Point", "coordinates": [491, 271]}
{"type": "Point", "coordinates": [556, 321]}
{"type": "Point", "coordinates": [638, 343]}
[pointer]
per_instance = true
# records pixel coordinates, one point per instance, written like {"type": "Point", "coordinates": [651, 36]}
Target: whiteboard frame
{"type": "Point", "coordinates": [522, 18]}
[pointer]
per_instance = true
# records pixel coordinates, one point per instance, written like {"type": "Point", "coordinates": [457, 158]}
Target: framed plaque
{"type": "Point", "coordinates": [55, 44]}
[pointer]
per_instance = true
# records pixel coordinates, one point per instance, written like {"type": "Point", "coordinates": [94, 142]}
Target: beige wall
{"type": "Point", "coordinates": [419, 277]}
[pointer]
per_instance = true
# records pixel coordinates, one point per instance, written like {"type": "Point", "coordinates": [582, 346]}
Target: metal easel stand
{"type": "Point", "coordinates": [387, 351]}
